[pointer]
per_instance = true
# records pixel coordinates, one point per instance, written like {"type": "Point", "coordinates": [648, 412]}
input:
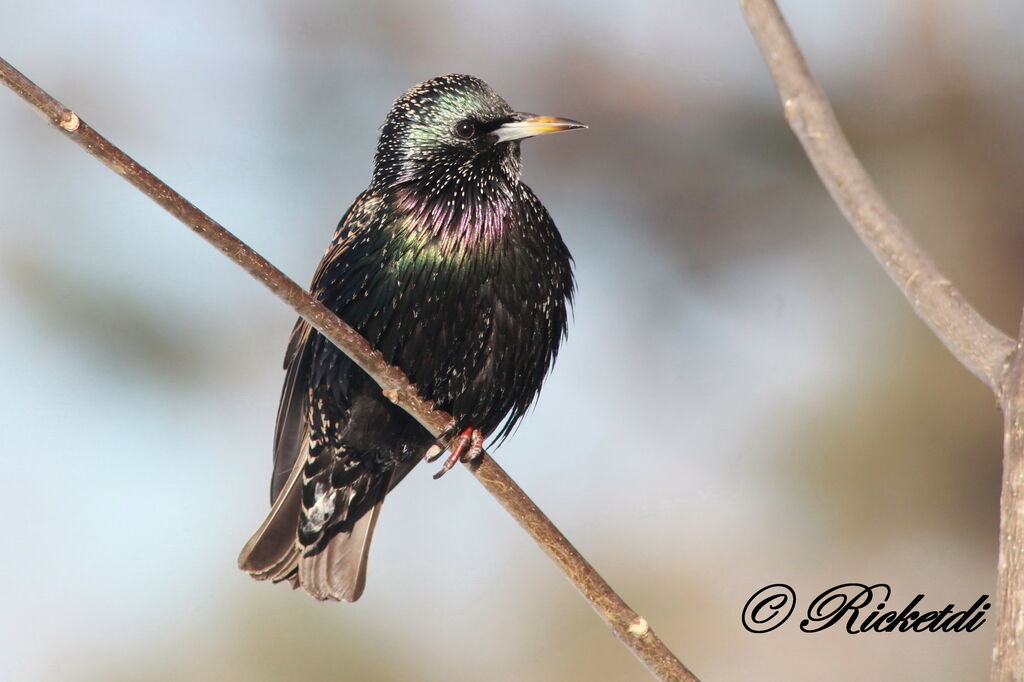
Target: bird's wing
{"type": "Point", "coordinates": [272, 552]}
{"type": "Point", "coordinates": [328, 483]}
{"type": "Point", "coordinates": [303, 345]}
{"type": "Point", "coordinates": [291, 411]}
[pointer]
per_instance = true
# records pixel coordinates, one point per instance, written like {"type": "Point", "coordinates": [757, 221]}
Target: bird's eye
{"type": "Point", "coordinates": [465, 129]}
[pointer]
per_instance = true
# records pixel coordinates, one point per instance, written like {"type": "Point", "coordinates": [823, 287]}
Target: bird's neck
{"type": "Point", "coordinates": [463, 205]}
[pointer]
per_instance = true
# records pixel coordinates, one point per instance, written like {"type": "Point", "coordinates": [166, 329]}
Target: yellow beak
{"type": "Point", "coordinates": [530, 125]}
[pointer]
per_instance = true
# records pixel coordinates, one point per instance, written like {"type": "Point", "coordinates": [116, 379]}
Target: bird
{"type": "Point", "coordinates": [450, 267]}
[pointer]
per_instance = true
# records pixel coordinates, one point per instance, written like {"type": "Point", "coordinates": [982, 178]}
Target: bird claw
{"type": "Point", "coordinates": [433, 452]}
{"type": "Point", "coordinates": [444, 439]}
{"type": "Point", "coordinates": [466, 448]}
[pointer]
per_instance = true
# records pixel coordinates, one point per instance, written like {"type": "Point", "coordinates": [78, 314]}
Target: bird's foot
{"type": "Point", "coordinates": [466, 447]}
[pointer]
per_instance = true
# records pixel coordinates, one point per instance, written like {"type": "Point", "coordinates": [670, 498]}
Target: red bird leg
{"type": "Point", "coordinates": [466, 448]}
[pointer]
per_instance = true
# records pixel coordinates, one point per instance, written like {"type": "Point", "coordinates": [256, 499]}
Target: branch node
{"type": "Point", "coordinates": [639, 627]}
{"type": "Point", "coordinates": [69, 121]}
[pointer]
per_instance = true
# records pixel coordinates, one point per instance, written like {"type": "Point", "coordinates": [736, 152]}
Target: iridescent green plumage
{"type": "Point", "coordinates": [452, 268]}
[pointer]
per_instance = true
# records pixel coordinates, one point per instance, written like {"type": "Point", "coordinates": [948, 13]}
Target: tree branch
{"type": "Point", "coordinates": [990, 354]}
{"type": "Point", "coordinates": [979, 346]}
{"type": "Point", "coordinates": [1007, 653]}
{"type": "Point", "coordinates": [631, 629]}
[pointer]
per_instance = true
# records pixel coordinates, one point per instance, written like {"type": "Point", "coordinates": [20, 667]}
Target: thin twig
{"type": "Point", "coordinates": [627, 625]}
{"type": "Point", "coordinates": [980, 347]}
{"type": "Point", "coordinates": [991, 355]}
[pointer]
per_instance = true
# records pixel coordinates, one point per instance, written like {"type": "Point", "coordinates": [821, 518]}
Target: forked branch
{"type": "Point", "coordinates": [990, 354]}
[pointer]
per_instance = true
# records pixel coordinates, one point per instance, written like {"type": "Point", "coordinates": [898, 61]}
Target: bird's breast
{"type": "Point", "coordinates": [466, 328]}
{"type": "Point", "coordinates": [473, 319]}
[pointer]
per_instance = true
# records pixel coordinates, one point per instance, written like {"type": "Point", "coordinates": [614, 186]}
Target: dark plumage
{"type": "Point", "coordinates": [452, 268]}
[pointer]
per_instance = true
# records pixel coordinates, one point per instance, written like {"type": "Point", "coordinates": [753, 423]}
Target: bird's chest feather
{"type": "Point", "coordinates": [473, 323]}
{"type": "Point", "coordinates": [459, 317]}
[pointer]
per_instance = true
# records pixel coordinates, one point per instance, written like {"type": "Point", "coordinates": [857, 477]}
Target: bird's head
{"type": "Point", "coordinates": [455, 134]}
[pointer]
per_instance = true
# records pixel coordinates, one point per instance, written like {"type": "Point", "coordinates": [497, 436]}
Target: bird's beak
{"type": "Point", "coordinates": [529, 125]}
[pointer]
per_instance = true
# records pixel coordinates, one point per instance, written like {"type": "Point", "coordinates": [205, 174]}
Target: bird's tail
{"type": "Point", "coordinates": [337, 572]}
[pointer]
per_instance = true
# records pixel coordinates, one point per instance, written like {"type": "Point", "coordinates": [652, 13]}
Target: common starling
{"type": "Point", "coordinates": [452, 268]}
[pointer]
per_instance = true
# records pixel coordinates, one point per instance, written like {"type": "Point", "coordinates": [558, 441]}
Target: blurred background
{"type": "Point", "coordinates": [744, 398]}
